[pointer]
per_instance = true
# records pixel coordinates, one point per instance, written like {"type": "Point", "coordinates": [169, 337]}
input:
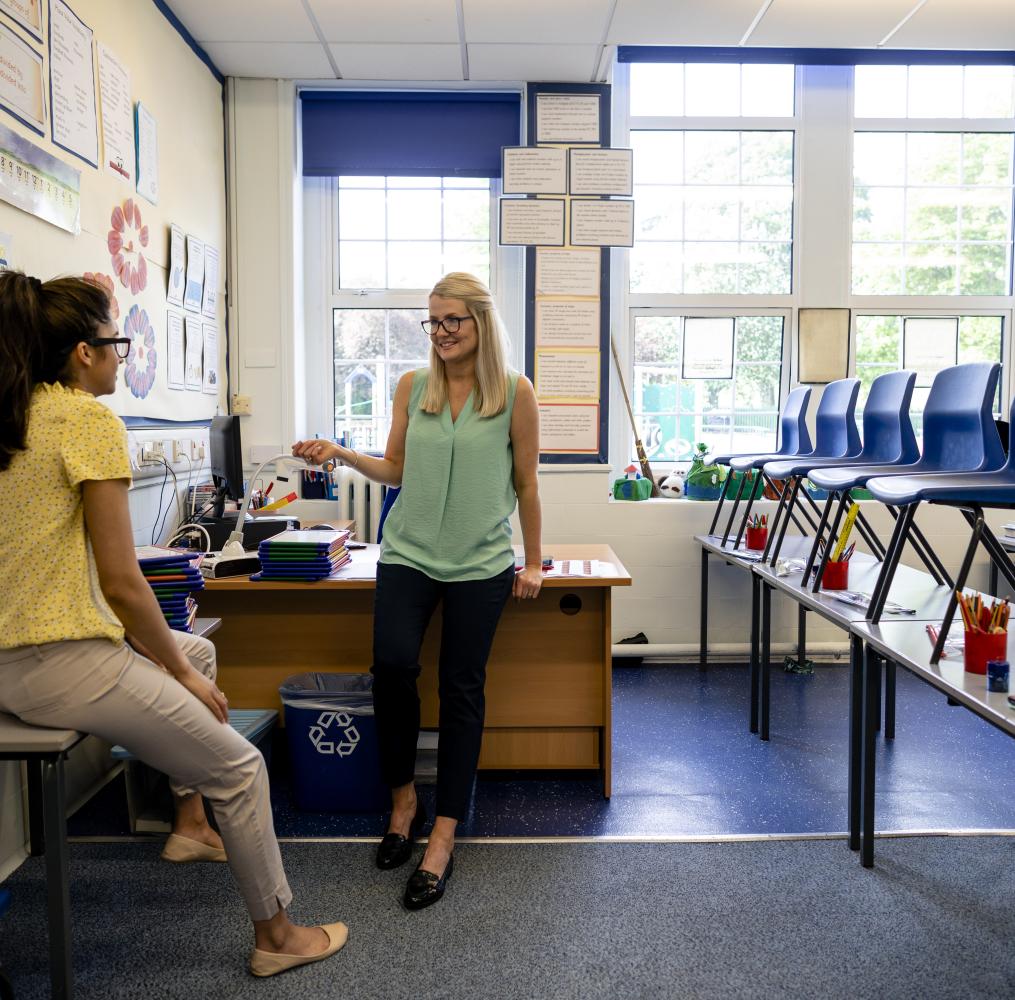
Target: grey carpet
{"type": "Point", "coordinates": [933, 919]}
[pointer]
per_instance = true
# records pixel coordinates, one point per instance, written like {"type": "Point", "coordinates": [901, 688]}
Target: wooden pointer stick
{"type": "Point", "coordinates": [646, 469]}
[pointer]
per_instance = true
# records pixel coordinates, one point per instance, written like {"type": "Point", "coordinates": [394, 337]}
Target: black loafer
{"type": "Point", "coordinates": [394, 849]}
{"type": "Point", "coordinates": [424, 888]}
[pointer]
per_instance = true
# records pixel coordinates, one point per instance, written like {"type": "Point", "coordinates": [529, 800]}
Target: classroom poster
{"type": "Point", "coordinates": [567, 272]}
{"type": "Point", "coordinates": [192, 295]}
{"type": "Point", "coordinates": [117, 115]}
{"type": "Point", "coordinates": [601, 171]}
{"type": "Point", "coordinates": [567, 375]}
{"type": "Point", "coordinates": [174, 293]}
{"type": "Point", "coordinates": [27, 13]}
{"type": "Point", "coordinates": [569, 428]}
{"type": "Point", "coordinates": [210, 382]}
{"type": "Point", "coordinates": [929, 344]}
{"type": "Point", "coordinates": [22, 81]}
{"type": "Point", "coordinates": [147, 147]}
{"type": "Point", "coordinates": [533, 170]}
{"type": "Point", "coordinates": [72, 84]}
{"type": "Point", "coordinates": [567, 324]}
{"type": "Point", "coordinates": [37, 182]}
{"type": "Point", "coordinates": [176, 369]}
{"type": "Point", "coordinates": [602, 223]}
{"type": "Point", "coordinates": [567, 118]}
{"type": "Point", "coordinates": [708, 347]}
{"type": "Point", "coordinates": [531, 222]}
{"type": "Point", "coordinates": [210, 299]}
{"type": "Point", "coordinates": [194, 338]}
{"type": "Point", "coordinates": [6, 251]}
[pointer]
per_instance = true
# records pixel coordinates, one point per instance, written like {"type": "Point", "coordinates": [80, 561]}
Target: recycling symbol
{"type": "Point", "coordinates": [323, 736]}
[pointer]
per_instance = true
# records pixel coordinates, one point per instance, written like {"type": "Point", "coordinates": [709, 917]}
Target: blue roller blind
{"type": "Point", "coordinates": [812, 57]}
{"type": "Point", "coordinates": [407, 134]}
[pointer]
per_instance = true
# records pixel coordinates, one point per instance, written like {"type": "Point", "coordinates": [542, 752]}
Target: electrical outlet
{"type": "Point", "coordinates": [179, 450]}
{"type": "Point", "coordinates": [152, 452]}
{"type": "Point", "coordinates": [243, 406]}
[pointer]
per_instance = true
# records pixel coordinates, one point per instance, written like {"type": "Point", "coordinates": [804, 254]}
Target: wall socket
{"type": "Point", "coordinates": [243, 406]}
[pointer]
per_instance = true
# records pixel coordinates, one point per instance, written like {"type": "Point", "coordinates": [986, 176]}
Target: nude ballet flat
{"type": "Point", "coordinates": [184, 850]}
{"type": "Point", "coordinates": [270, 963]}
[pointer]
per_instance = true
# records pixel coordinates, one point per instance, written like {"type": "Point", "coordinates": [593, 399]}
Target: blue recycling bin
{"type": "Point", "coordinates": [332, 736]}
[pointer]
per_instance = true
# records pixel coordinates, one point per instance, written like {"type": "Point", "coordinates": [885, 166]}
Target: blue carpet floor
{"type": "Point", "coordinates": [686, 765]}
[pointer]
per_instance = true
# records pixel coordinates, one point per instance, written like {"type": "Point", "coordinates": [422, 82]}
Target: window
{"type": "Point", "coordinates": [711, 89]}
{"type": "Point", "coordinates": [734, 414]}
{"type": "Point", "coordinates": [713, 212]}
{"type": "Point", "coordinates": [880, 348]}
{"type": "Point", "coordinates": [934, 92]}
{"type": "Point", "coordinates": [405, 232]}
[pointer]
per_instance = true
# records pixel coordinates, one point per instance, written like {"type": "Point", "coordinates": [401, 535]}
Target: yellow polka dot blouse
{"type": "Point", "coordinates": [47, 570]}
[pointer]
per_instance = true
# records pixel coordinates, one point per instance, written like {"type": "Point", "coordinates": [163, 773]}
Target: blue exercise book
{"type": "Point", "coordinates": [290, 577]}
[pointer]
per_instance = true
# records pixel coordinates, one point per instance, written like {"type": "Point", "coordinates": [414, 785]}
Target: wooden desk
{"type": "Point", "coordinates": [549, 681]}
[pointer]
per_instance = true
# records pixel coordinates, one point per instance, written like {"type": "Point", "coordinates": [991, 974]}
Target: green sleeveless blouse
{"type": "Point", "coordinates": [450, 520]}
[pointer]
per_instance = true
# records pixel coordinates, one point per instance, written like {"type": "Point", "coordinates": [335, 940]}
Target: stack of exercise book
{"type": "Point", "coordinates": [174, 575]}
{"type": "Point", "coordinates": [302, 556]}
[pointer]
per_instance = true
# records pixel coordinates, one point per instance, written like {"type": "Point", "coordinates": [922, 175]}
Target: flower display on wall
{"type": "Point", "coordinates": [105, 282]}
{"type": "Point", "coordinates": [125, 241]}
{"type": "Point", "coordinates": [142, 358]}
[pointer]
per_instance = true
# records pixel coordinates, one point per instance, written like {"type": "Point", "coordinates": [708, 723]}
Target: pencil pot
{"type": "Point", "coordinates": [983, 646]}
{"type": "Point", "coordinates": [757, 538]}
{"type": "Point", "coordinates": [333, 747]}
{"type": "Point", "coordinates": [836, 575]}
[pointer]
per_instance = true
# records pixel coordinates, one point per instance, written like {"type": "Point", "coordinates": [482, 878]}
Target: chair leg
{"type": "Point", "coordinates": [755, 649]}
{"type": "Point", "coordinates": [925, 553]}
{"type": "Point", "coordinates": [960, 582]}
{"type": "Point", "coordinates": [703, 636]}
{"type": "Point", "coordinates": [832, 535]}
{"type": "Point", "coordinates": [856, 654]}
{"type": "Point", "coordinates": [766, 657]}
{"type": "Point", "coordinates": [796, 520]}
{"type": "Point", "coordinates": [785, 524]}
{"type": "Point", "coordinates": [870, 536]}
{"type": "Point", "coordinates": [999, 557]}
{"type": "Point", "coordinates": [774, 523]}
{"type": "Point", "coordinates": [891, 564]}
{"type": "Point", "coordinates": [814, 512]}
{"type": "Point", "coordinates": [869, 762]}
{"type": "Point", "coordinates": [818, 536]}
{"type": "Point", "coordinates": [733, 513]}
{"type": "Point", "coordinates": [718, 506]}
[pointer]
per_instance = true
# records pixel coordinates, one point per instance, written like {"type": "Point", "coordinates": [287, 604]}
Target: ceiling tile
{"type": "Point", "coordinates": [546, 63]}
{"type": "Point", "coordinates": [282, 60]}
{"type": "Point", "coordinates": [559, 21]}
{"type": "Point", "coordinates": [398, 62]}
{"type": "Point", "coordinates": [682, 22]}
{"type": "Point", "coordinates": [384, 21]}
{"type": "Point", "coordinates": [803, 23]}
{"type": "Point", "coordinates": [245, 20]}
{"type": "Point", "coordinates": [959, 24]}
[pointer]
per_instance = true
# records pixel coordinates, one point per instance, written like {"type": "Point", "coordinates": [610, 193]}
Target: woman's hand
{"type": "Point", "coordinates": [316, 452]}
{"type": "Point", "coordinates": [528, 581]}
{"type": "Point", "coordinates": [206, 692]}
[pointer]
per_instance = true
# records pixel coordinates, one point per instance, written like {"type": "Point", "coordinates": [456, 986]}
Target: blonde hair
{"type": "Point", "coordinates": [491, 348]}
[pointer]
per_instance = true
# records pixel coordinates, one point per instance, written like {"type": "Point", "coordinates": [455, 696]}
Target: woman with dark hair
{"type": "Point", "coordinates": [74, 593]}
{"type": "Point", "coordinates": [464, 447]}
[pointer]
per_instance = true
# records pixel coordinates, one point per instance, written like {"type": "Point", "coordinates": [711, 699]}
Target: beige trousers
{"type": "Point", "coordinates": [97, 686]}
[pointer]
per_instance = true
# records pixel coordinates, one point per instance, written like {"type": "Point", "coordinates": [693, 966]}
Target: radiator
{"type": "Point", "coordinates": [359, 500]}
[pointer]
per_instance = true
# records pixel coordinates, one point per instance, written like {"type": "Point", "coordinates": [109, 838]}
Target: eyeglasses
{"type": "Point", "coordinates": [121, 344]}
{"type": "Point", "coordinates": [451, 324]}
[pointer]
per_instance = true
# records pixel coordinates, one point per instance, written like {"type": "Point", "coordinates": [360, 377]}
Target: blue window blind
{"type": "Point", "coordinates": [407, 134]}
{"type": "Point", "coordinates": [812, 57]}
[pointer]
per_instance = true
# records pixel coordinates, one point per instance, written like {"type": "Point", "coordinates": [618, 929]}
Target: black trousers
{"type": "Point", "coordinates": [404, 602]}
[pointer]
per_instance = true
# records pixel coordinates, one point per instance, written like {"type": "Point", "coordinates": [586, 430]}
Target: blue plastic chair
{"type": "Point", "coordinates": [836, 438]}
{"type": "Point", "coordinates": [390, 495]}
{"type": "Point", "coordinates": [970, 492]}
{"type": "Point", "coordinates": [794, 439]}
{"type": "Point", "coordinates": [888, 439]}
{"type": "Point", "coordinates": [959, 435]}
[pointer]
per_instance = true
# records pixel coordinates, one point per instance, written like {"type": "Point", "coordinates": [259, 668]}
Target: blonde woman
{"type": "Point", "coordinates": [464, 448]}
{"type": "Point", "coordinates": [73, 586]}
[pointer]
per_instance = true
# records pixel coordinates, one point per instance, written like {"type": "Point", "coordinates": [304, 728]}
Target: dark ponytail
{"type": "Point", "coordinates": [40, 325]}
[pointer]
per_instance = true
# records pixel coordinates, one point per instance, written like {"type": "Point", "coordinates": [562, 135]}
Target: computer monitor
{"type": "Point", "coordinates": [226, 457]}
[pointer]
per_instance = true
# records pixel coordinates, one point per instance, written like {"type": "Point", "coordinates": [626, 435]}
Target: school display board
{"type": "Point", "coordinates": [567, 283]}
{"type": "Point", "coordinates": [112, 167]}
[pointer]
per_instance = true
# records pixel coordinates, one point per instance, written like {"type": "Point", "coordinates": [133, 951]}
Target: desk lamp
{"type": "Point", "coordinates": [234, 546]}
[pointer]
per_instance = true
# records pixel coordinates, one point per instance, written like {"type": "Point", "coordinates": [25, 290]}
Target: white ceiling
{"type": "Point", "coordinates": [567, 40]}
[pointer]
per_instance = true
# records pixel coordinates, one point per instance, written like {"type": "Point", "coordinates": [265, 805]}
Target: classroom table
{"type": "Point", "coordinates": [907, 644]}
{"type": "Point", "coordinates": [745, 559]}
{"type": "Point", "coordinates": [549, 677]}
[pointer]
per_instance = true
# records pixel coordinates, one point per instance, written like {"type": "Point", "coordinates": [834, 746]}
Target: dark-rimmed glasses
{"type": "Point", "coordinates": [451, 324]}
{"type": "Point", "coordinates": [120, 344]}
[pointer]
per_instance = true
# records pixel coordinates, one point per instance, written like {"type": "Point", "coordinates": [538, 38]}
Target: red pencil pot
{"type": "Point", "coordinates": [757, 538]}
{"type": "Point", "coordinates": [983, 646]}
{"type": "Point", "coordinates": [836, 575]}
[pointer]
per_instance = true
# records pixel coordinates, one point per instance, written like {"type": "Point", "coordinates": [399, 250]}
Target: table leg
{"type": "Point", "coordinates": [889, 699]}
{"type": "Point", "coordinates": [766, 643]}
{"type": "Point", "coordinates": [57, 879]}
{"type": "Point", "coordinates": [755, 642]}
{"type": "Point", "coordinates": [868, 758]}
{"type": "Point", "coordinates": [36, 833]}
{"type": "Point", "coordinates": [855, 738]}
{"type": "Point", "coordinates": [703, 637]}
{"type": "Point", "coordinates": [875, 667]}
